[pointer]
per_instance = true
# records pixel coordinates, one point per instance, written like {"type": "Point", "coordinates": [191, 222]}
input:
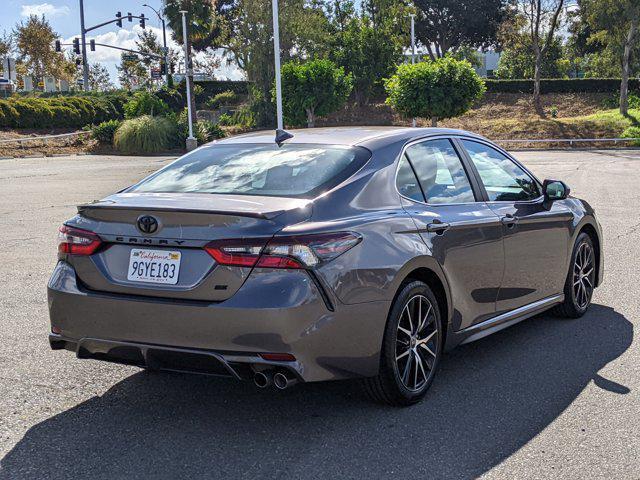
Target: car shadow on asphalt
{"type": "Point", "coordinates": [490, 398]}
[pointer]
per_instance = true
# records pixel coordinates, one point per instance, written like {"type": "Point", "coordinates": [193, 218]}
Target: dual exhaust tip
{"type": "Point", "coordinates": [280, 379]}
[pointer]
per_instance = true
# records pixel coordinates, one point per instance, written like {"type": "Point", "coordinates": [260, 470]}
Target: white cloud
{"type": "Point", "coordinates": [45, 9]}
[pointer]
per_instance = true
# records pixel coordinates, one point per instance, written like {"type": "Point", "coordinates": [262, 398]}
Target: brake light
{"type": "Point", "coordinates": [76, 241]}
{"type": "Point", "coordinates": [302, 251]}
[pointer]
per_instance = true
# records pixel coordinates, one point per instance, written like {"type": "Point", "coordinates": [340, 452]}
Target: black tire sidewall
{"type": "Point", "coordinates": [389, 366]}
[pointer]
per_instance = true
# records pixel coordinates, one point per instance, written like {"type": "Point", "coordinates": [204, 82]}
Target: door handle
{"type": "Point", "coordinates": [438, 227]}
{"type": "Point", "coordinates": [509, 220]}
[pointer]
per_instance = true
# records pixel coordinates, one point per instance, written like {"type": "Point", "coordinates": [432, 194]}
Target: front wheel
{"type": "Point", "coordinates": [411, 348]}
{"type": "Point", "coordinates": [581, 279]}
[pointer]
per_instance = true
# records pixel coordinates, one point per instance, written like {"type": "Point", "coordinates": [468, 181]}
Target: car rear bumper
{"type": "Point", "coordinates": [275, 311]}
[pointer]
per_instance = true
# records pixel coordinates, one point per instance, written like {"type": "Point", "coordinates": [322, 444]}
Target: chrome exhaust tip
{"type": "Point", "coordinates": [262, 379]}
{"type": "Point", "coordinates": [282, 381]}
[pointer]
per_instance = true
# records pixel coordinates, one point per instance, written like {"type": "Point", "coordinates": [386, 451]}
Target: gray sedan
{"type": "Point", "coordinates": [329, 254]}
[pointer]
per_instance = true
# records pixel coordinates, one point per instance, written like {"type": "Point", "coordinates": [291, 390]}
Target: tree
{"type": "Point", "coordinates": [368, 44]}
{"type": "Point", "coordinates": [314, 89]}
{"type": "Point", "coordinates": [208, 21]}
{"type": "Point", "coordinates": [615, 24]}
{"type": "Point", "coordinates": [6, 44]}
{"type": "Point", "coordinates": [516, 60]}
{"type": "Point", "coordinates": [34, 42]}
{"type": "Point", "coordinates": [543, 18]}
{"type": "Point", "coordinates": [439, 89]}
{"type": "Point", "coordinates": [444, 26]}
{"type": "Point", "coordinates": [99, 78]}
{"type": "Point", "coordinates": [132, 74]}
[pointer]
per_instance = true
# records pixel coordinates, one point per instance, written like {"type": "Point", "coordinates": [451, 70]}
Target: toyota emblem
{"type": "Point", "coordinates": [147, 224]}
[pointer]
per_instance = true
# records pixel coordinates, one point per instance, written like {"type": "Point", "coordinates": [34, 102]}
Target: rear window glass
{"type": "Point", "coordinates": [295, 170]}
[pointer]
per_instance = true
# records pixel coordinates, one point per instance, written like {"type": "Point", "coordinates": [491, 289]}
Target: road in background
{"type": "Point", "coordinates": [545, 398]}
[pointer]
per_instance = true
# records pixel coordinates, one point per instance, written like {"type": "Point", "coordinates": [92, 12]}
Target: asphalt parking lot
{"type": "Point", "coordinates": [546, 398]}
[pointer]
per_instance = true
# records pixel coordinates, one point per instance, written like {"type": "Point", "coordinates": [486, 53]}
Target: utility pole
{"type": "Point", "coordinates": [276, 54]}
{"type": "Point", "coordinates": [85, 66]}
{"type": "Point", "coordinates": [413, 49]}
{"type": "Point", "coordinates": [164, 42]}
{"type": "Point", "coordinates": [191, 140]}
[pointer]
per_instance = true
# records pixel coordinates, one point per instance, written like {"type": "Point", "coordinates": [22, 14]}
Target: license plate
{"type": "Point", "coordinates": [154, 266]}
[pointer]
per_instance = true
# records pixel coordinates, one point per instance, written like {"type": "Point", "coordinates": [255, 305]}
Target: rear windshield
{"type": "Point", "coordinates": [296, 170]}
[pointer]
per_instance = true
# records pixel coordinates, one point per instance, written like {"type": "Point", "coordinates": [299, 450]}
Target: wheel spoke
{"type": "Point", "coordinates": [402, 355]}
{"type": "Point", "coordinates": [424, 345]}
{"type": "Point", "coordinates": [426, 339]}
{"type": "Point", "coordinates": [404, 330]}
{"type": "Point", "coordinates": [407, 370]}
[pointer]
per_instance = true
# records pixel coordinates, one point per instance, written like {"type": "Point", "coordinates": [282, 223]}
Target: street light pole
{"type": "Point", "coordinates": [85, 67]}
{"type": "Point", "coordinates": [164, 42]}
{"type": "Point", "coordinates": [413, 50]}
{"type": "Point", "coordinates": [276, 52]}
{"type": "Point", "coordinates": [191, 140]}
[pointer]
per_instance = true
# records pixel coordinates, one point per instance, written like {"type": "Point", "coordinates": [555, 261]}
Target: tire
{"type": "Point", "coordinates": [582, 269]}
{"type": "Point", "coordinates": [396, 383]}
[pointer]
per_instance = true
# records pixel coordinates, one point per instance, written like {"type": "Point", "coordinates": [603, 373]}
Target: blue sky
{"type": "Point", "coordinates": [64, 17]}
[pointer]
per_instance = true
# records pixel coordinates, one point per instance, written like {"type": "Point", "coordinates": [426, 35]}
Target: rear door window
{"type": "Point", "coordinates": [440, 172]}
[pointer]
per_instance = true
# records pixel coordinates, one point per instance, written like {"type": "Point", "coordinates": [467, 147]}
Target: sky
{"type": "Point", "coordinates": [64, 17]}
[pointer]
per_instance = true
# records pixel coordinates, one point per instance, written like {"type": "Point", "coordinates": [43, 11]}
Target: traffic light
{"type": "Point", "coordinates": [58, 46]}
{"type": "Point", "coordinates": [129, 17]}
{"type": "Point", "coordinates": [78, 62]}
{"type": "Point", "coordinates": [76, 46]}
{"type": "Point", "coordinates": [119, 17]}
{"type": "Point", "coordinates": [172, 67]}
{"type": "Point", "coordinates": [92, 45]}
{"type": "Point", "coordinates": [163, 68]}
{"type": "Point", "coordinates": [142, 19]}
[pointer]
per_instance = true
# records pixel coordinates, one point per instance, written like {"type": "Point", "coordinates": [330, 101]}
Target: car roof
{"type": "Point", "coordinates": [364, 136]}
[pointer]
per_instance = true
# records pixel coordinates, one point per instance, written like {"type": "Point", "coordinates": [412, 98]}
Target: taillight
{"type": "Point", "coordinates": [76, 241]}
{"type": "Point", "coordinates": [301, 251]}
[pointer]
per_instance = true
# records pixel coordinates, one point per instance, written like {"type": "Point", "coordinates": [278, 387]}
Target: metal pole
{"type": "Point", "coordinates": [191, 141]}
{"type": "Point", "coordinates": [413, 51]}
{"type": "Point", "coordinates": [85, 67]}
{"type": "Point", "coordinates": [276, 54]}
{"type": "Point", "coordinates": [166, 52]}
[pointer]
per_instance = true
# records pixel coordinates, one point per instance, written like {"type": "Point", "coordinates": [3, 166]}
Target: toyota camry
{"type": "Point", "coordinates": [321, 254]}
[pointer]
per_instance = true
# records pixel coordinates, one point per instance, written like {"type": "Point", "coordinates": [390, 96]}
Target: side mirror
{"type": "Point", "coordinates": [555, 190]}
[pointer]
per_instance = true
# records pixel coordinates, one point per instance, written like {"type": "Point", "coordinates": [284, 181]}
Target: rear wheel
{"type": "Point", "coordinates": [581, 279]}
{"type": "Point", "coordinates": [411, 348]}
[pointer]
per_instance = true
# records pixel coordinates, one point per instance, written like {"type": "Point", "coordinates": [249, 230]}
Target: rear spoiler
{"type": "Point", "coordinates": [262, 215]}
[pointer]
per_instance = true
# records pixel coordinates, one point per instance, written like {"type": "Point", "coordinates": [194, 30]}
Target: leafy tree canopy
{"type": "Point", "coordinates": [439, 89]}
{"type": "Point", "coordinates": [313, 89]}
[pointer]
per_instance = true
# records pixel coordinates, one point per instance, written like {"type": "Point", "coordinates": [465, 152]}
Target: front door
{"type": "Point", "coordinates": [463, 234]}
{"type": "Point", "coordinates": [536, 238]}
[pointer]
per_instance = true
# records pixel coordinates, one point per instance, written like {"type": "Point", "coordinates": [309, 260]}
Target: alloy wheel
{"type": "Point", "coordinates": [417, 343]}
{"type": "Point", "coordinates": [583, 275]}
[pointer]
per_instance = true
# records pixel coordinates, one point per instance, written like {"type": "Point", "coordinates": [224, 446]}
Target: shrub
{"type": "Point", "coordinates": [144, 103]}
{"type": "Point", "coordinates": [568, 85]}
{"type": "Point", "coordinates": [204, 131]}
{"type": "Point", "coordinates": [314, 89]}
{"type": "Point", "coordinates": [144, 134]}
{"type": "Point", "coordinates": [9, 115]}
{"type": "Point", "coordinates": [444, 88]}
{"type": "Point", "coordinates": [225, 119]}
{"type": "Point", "coordinates": [105, 131]}
{"type": "Point", "coordinates": [172, 97]}
{"type": "Point", "coordinates": [222, 99]}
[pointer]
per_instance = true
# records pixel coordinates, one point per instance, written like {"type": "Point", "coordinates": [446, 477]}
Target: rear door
{"type": "Point", "coordinates": [536, 238]}
{"type": "Point", "coordinates": [463, 233]}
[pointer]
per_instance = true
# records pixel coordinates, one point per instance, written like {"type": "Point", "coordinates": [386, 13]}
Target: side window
{"type": "Point", "coordinates": [406, 181]}
{"type": "Point", "coordinates": [440, 172]}
{"type": "Point", "coordinates": [502, 178]}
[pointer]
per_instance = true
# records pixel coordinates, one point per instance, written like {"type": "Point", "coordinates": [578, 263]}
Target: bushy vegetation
{"type": "Point", "coordinates": [222, 99]}
{"type": "Point", "coordinates": [105, 131]}
{"type": "Point", "coordinates": [145, 135]}
{"type": "Point", "coordinates": [62, 111]}
{"type": "Point", "coordinates": [314, 89]}
{"type": "Point", "coordinates": [436, 90]}
{"type": "Point", "coordinates": [145, 103]}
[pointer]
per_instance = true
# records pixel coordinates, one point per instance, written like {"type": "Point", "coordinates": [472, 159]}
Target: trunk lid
{"type": "Point", "coordinates": [185, 223]}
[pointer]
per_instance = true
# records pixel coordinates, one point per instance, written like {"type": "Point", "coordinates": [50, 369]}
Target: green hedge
{"type": "Point", "coordinates": [570, 85]}
{"type": "Point", "coordinates": [214, 87]}
{"type": "Point", "coordinates": [70, 112]}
